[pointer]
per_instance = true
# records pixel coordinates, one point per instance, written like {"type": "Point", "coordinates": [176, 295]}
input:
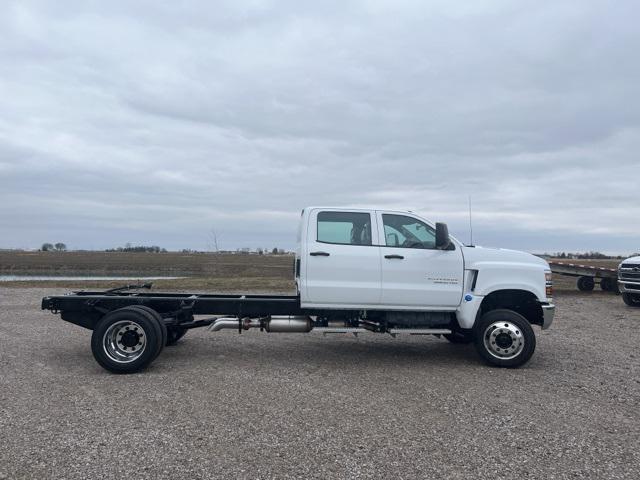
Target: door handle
{"type": "Point", "coordinates": [319, 254]}
{"type": "Point", "coordinates": [396, 257]}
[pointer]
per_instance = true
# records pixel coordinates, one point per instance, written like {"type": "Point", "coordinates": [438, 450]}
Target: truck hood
{"type": "Point", "coordinates": [474, 256]}
{"type": "Point", "coordinates": [632, 261]}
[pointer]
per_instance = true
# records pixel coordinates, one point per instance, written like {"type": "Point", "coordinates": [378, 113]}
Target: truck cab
{"type": "Point", "coordinates": [386, 262]}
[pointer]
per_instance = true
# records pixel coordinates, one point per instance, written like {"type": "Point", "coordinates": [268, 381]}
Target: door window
{"type": "Point", "coordinates": [344, 228]}
{"type": "Point", "coordinates": [407, 232]}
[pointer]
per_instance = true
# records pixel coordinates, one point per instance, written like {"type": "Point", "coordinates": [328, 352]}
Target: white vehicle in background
{"type": "Point", "coordinates": [356, 271]}
{"type": "Point", "coordinates": [629, 281]}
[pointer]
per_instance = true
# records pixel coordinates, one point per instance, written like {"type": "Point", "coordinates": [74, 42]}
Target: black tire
{"type": "Point", "coordinates": [158, 317]}
{"type": "Point", "coordinates": [174, 334]}
{"type": "Point", "coordinates": [607, 284]}
{"type": "Point", "coordinates": [586, 284]}
{"type": "Point", "coordinates": [459, 337]}
{"type": "Point", "coordinates": [504, 338]}
{"type": "Point", "coordinates": [631, 299]}
{"type": "Point", "coordinates": [132, 325]}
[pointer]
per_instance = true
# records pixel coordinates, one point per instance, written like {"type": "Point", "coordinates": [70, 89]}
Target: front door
{"type": "Point", "coordinates": [342, 262]}
{"type": "Point", "coordinates": [414, 273]}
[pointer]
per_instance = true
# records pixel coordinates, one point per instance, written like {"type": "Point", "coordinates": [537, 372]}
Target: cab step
{"type": "Point", "coordinates": [420, 331]}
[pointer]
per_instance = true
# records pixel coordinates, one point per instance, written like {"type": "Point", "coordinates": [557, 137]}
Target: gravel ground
{"type": "Point", "coordinates": [303, 406]}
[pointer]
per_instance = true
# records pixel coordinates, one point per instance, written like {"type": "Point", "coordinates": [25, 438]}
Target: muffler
{"type": "Point", "coordinates": [282, 324]}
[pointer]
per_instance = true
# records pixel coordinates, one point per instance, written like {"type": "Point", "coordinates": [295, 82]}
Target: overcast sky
{"type": "Point", "coordinates": [154, 122]}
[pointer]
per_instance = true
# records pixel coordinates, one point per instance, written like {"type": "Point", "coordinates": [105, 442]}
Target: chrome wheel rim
{"type": "Point", "coordinates": [504, 340]}
{"type": "Point", "coordinates": [124, 341]}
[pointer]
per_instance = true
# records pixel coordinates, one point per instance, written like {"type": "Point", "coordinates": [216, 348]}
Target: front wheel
{"type": "Point", "coordinates": [504, 338]}
{"type": "Point", "coordinates": [631, 299]}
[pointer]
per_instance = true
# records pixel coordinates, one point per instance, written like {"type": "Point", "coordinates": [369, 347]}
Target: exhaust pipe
{"type": "Point", "coordinates": [221, 323]}
{"type": "Point", "coordinates": [275, 324]}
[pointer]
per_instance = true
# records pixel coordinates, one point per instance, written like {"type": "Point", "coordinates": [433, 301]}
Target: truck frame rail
{"type": "Point", "coordinates": [85, 308]}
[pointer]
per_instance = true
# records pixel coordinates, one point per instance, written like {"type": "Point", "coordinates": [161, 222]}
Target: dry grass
{"type": "Point", "coordinates": [204, 271]}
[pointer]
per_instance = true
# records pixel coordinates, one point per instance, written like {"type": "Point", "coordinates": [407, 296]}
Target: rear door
{"type": "Point", "coordinates": [342, 262]}
{"type": "Point", "coordinates": [414, 273]}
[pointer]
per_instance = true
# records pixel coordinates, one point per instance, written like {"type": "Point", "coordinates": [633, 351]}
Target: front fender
{"type": "Point", "coordinates": [467, 312]}
{"type": "Point", "coordinates": [511, 276]}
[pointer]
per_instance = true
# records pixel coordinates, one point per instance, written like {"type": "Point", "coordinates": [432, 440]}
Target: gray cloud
{"type": "Point", "coordinates": [153, 122]}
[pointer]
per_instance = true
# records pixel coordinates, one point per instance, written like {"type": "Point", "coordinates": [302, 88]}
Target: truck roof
{"type": "Point", "coordinates": [358, 209]}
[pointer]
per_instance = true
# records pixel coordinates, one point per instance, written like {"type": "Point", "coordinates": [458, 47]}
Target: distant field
{"type": "Point", "coordinates": [205, 271]}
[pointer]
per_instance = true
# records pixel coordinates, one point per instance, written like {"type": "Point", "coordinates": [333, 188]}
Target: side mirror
{"type": "Point", "coordinates": [443, 242]}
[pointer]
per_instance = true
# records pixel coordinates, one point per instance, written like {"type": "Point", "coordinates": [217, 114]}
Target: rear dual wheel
{"type": "Point", "coordinates": [128, 340]}
{"type": "Point", "coordinates": [163, 328]}
{"type": "Point", "coordinates": [170, 335]}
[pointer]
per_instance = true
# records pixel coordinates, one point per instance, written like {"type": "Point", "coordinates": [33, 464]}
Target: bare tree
{"type": "Point", "coordinates": [61, 247]}
{"type": "Point", "coordinates": [213, 240]}
{"type": "Point", "coordinates": [46, 247]}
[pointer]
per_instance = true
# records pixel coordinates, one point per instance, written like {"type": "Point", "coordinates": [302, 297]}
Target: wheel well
{"type": "Point", "coordinates": [521, 301]}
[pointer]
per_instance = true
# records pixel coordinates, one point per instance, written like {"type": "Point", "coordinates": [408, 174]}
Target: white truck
{"type": "Point", "coordinates": [629, 281]}
{"type": "Point", "coordinates": [356, 271]}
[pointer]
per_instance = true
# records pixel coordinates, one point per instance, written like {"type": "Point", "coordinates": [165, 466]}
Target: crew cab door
{"type": "Point", "coordinates": [341, 262]}
{"type": "Point", "coordinates": [414, 272]}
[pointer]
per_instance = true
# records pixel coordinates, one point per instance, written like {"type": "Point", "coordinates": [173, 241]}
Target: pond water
{"type": "Point", "coordinates": [35, 278]}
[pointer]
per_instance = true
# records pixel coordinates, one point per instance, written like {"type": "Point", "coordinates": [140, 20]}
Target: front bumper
{"type": "Point", "coordinates": [548, 312]}
{"type": "Point", "coordinates": [629, 278]}
{"type": "Point", "coordinates": [628, 286]}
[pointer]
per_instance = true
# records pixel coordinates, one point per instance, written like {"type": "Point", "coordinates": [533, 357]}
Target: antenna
{"type": "Point", "coordinates": [470, 224]}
